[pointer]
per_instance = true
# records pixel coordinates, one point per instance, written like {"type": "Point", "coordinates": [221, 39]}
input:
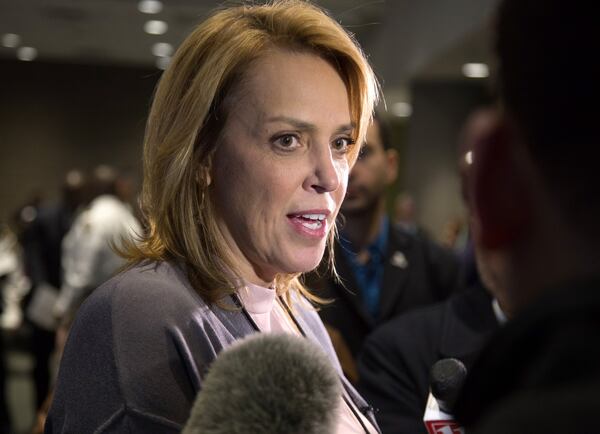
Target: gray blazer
{"type": "Point", "coordinates": [139, 349]}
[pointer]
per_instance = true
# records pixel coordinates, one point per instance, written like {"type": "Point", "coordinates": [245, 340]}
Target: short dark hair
{"type": "Point", "coordinates": [549, 83]}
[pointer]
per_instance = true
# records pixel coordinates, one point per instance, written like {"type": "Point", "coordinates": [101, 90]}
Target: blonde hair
{"type": "Point", "coordinates": [187, 118]}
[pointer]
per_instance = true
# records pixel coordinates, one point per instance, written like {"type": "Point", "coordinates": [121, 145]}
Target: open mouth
{"type": "Point", "coordinates": [312, 222]}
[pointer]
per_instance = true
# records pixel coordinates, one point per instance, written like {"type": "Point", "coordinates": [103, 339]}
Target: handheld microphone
{"type": "Point", "coordinates": [447, 378]}
{"type": "Point", "coordinates": [268, 383]}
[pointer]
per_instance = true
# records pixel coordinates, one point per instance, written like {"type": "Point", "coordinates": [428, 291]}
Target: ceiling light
{"type": "Point", "coordinates": [11, 40]}
{"type": "Point", "coordinates": [469, 158]}
{"type": "Point", "coordinates": [475, 70]}
{"type": "Point", "coordinates": [26, 53]}
{"type": "Point", "coordinates": [162, 49]}
{"type": "Point", "coordinates": [402, 109]}
{"type": "Point", "coordinates": [162, 62]}
{"type": "Point", "coordinates": [156, 27]}
{"type": "Point", "coordinates": [150, 6]}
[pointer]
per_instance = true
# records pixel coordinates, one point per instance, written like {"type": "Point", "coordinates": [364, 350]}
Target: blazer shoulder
{"type": "Point", "coordinates": [150, 282]}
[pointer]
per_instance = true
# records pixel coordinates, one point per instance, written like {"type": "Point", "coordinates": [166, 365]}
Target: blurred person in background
{"type": "Point", "coordinates": [88, 255]}
{"type": "Point", "coordinates": [88, 258]}
{"type": "Point", "coordinates": [248, 148]}
{"type": "Point", "coordinates": [384, 270]}
{"type": "Point", "coordinates": [396, 361]}
{"type": "Point", "coordinates": [454, 234]}
{"type": "Point", "coordinates": [14, 289]}
{"type": "Point", "coordinates": [41, 241]}
{"type": "Point", "coordinates": [16, 283]}
{"type": "Point", "coordinates": [533, 196]}
{"type": "Point", "coordinates": [405, 212]}
{"type": "Point", "coordinates": [13, 285]}
{"type": "Point", "coordinates": [128, 191]}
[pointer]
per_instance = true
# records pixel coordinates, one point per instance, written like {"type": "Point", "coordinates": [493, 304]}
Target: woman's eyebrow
{"type": "Point", "coordinates": [346, 128]}
{"type": "Point", "coordinates": [296, 123]}
{"type": "Point", "coordinates": [307, 126]}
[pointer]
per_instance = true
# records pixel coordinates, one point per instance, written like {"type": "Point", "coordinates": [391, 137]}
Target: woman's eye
{"type": "Point", "coordinates": [287, 141]}
{"type": "Point", "coordinates": [342, 144]}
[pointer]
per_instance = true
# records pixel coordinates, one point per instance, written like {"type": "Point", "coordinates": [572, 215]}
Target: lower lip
{"type": "Point", "coordinates": [299, 225]}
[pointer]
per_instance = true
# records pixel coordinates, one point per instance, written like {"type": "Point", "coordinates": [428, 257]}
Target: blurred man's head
{"type": "Point", "coordinates": [491, 265]}
{"type": "Point", "coordinates": [74, 189]}
{"type": "Point", "coordinates": [404, 209]}
{"type": "Point", "coordinates": [375, 170]}
{"type": "Point", "coordinates": [549, 83]}
{"type": "Point", "coordinates": [534, 185]}
{"type": "Point", "coordinates": [104, 181]}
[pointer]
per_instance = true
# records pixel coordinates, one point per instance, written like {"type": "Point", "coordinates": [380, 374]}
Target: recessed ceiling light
{"type": "Point", "coordinates": [475, 70]}
{"type": "Point", "coordinates": [11, 40]}
{"type": "Point", "coordinates": [156, 27]}
{"type": "Point", "coordinates": [150, 6]}
{"type": "Point", "coordinates": [162, 62]}
{"type": "Point", "coordinates": [162, 49]}
{"type": "Point", "coordinates": [402, 109]}
{"type": "Point", "coordinates": [26, 53]}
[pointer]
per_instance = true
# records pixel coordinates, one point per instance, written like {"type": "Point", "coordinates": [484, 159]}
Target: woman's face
{"type": "Point", "coordinates": [280, 171]}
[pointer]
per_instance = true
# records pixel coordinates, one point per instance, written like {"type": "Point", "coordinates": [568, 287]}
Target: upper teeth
{"type": "Point", "coordinates": [314, 216]}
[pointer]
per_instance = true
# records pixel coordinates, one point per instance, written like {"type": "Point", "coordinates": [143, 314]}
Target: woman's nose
{"type": "Point", "coordinates": [325, 176]}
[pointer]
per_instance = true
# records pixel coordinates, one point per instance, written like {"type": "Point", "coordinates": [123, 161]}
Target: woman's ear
{"type": "Point", "coordinates": [499, 196]}
{"type": "Point", "coordinates": [208, 177]}
{"type": "Point", "coordinates": [203, 175]}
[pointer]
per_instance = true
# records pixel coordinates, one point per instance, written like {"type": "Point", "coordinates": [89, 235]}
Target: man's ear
{"type": "Point", "coordinates": [499, 196]}
{"type": "Point", "coordinates": [391, 161]}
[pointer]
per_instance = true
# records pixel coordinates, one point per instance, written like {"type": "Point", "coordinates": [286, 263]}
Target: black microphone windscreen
{"type": "Point", "coordinates": [268, 383]}
{"type": "Point", "coordinates": [447, 378]}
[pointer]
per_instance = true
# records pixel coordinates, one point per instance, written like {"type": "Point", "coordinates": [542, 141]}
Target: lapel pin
{"type": "Point", "coordinates": [399, 260]}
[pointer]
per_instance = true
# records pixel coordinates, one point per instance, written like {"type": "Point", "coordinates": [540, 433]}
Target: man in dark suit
{"type": "Point", "coordinates": [533, 196]}
{"type": "Point", "coordinates": [396, 359]}
{"type": "Point", "coordinates": [384, 270]}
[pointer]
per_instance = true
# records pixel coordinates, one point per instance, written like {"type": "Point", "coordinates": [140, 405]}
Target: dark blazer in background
{"type": "Point", "coordinates": [42, 253]}
{"type": "Point", "coordinates": [540, 373]}
{"type": "Point", "coordinates": [395, 363]}
{"type": "Point", "coordinates": [417, 272]}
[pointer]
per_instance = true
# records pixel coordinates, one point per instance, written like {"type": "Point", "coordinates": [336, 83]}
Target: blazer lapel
{"type": "Point", "coordinates": [360, 403]}
{"type": "Point", "coordinates": [233, 319]}
{"type": "Point", "coordinates": [358, 400]}
{"type": "Point", "coordinates": [229, 314]}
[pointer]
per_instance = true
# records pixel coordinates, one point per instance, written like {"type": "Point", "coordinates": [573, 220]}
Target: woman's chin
{"type": "Point", "coordinates": [293, 259]}
{"type": "Point", "coordinates": [303, 262]}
